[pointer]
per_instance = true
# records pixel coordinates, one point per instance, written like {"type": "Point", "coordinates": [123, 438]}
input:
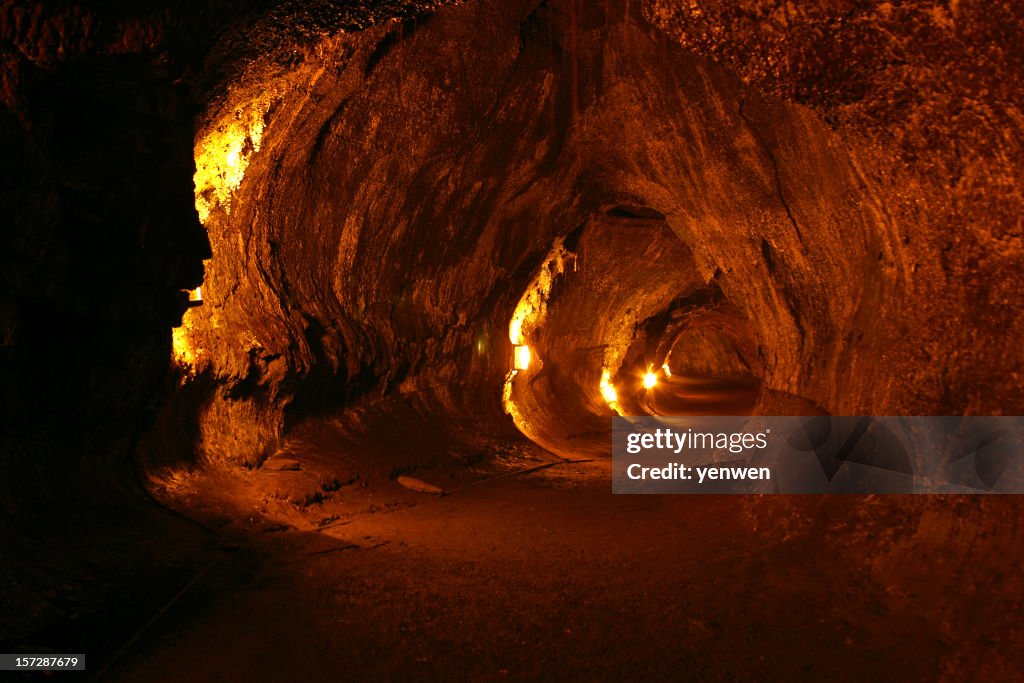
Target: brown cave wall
{"type": "Point", "coordinates": [846, 175]}
{"type": "Point", "coordinates": [399, 187]}
{"type": "Point", "coordinates": [926, 98]}
{"type": "Point", "coordinates": [412, 181]}
{"type": "Point", "coordinates": [622, 270]}
{"type": "Point", "coordinates": [98, 243]}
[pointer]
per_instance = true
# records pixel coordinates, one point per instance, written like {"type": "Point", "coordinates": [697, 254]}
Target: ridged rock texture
{"type": "Point", "coordinates": [822, 198]}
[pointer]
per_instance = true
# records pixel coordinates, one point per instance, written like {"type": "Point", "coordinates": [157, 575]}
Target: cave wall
{"type": "Point", "coordinates": [99, 241]}
{"type": "Point", "coordinates": [925, 96]}
{"type": "Point", "coordinates": [356, 255]}
{"type": "Point", "coordinates": [847, 176]}
{"type": "Point", "coordinates": [379, 195]}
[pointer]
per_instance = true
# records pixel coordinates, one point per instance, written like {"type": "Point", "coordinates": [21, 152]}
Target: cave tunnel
{"type": "Point", "coordinates": [316, 317]}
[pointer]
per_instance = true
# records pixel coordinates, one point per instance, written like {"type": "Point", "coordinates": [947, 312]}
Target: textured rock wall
{"type": "Point", "coordinates": [378, 204]}
{"type": "Point", "coordinates": [98, 240]}
{"type": "Point", "coordinates": [845, 176]}
{"type": "Point", "coordinates": [926, 98]}
{"type": "Point", "coordinates": [379, 196]}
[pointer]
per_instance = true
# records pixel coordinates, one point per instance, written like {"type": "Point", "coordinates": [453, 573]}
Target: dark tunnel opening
{"type": "Point", "coordinates": [316, 318]}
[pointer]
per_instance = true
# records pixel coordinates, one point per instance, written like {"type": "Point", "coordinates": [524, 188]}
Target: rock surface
{"type": "Point", "coordinates": [831, 192]}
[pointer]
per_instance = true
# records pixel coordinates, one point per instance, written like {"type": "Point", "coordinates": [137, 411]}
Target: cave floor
{"type": "Point", "coordinates": [542, 574]}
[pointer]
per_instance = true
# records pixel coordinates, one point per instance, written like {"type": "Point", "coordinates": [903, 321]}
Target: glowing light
{"type": "Point", "coordinates": [222, 156]}
{"type": "Point", "coordinates": [665, 368]}
{"type": "Point", "coordinates": [515, 328]}
{"type": "Point", "coordinates": [650, 379]}
{"type": "Point", "coordinates": [184, 348]}
{"type": "Point", "coordinates": [522, 357]}
{"type": "Point", "coordinates": [611, 396]}
{"type": "Point", "coordinates": [183, 352]}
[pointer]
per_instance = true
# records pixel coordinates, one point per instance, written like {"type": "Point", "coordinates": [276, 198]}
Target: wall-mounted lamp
{"type": "Point", "coordinates": [195, 297]}
{"type": "Point", "coordinates": [522, 357]}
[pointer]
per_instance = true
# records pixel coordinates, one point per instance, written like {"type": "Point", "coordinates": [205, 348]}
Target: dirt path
{"type": "Point", "coordinates": [545, 575]}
